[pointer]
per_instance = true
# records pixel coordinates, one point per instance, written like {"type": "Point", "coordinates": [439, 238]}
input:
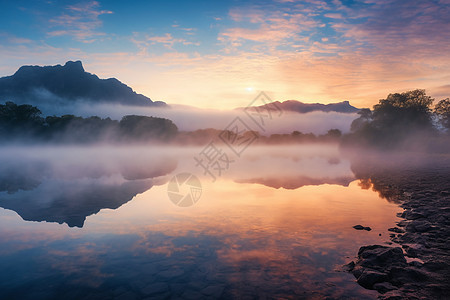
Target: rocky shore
{"type": "Point", "coordinates": [416, 265]}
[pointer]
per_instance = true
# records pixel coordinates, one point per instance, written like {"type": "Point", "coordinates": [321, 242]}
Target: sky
{"type": "Point", "coordinates": [220, 54]}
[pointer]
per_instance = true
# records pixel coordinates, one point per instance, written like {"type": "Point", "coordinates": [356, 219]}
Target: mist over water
{"type": "Point", "coordinates": [190, 118]}
{"type": "Point", "coordinates": [275, 206]}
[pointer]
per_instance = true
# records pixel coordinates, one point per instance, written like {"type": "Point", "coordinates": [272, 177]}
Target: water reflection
{"type": "Point", "coordinates": [386, 173]}
{"type": "Point", "coordinates": [68, 185]}
{"type": "Point", "coordinates": [71, 201]}
{"type": "Point", "coordinates": [65, 185]}
{"type": "Point", "coordinates": [241, 240]}
{"type": "Point", "coordinates": [236, 242]}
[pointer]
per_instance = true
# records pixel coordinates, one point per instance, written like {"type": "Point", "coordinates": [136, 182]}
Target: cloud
{"type": "Point", "coordinates": [273, 29]}
{"type": "Point", "coordinates": [168, 40]}
{"type": "Point", "coordinates": [290, 49]}
{"type": "Point", "coordinates": [81, 21]}
{"type": "Point", "coordinates": [333, 16]}
{"type": "Point", "coordinates": [144, 41]}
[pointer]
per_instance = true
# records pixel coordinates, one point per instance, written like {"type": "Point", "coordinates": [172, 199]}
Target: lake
{"type": "Point", "coordinates": [101, 223]}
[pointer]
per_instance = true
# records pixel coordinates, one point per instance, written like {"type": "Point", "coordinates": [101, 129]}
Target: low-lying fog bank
{"type": "Point", "coordinates": [190, 118]}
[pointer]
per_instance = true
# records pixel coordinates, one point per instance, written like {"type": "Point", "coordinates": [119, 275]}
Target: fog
{"type": "Point", "coordinates": [122, 163]}
{"type": "Point", "coordinates": [189, 118]}
{"type": "Point", "coordinates": [66, 184]}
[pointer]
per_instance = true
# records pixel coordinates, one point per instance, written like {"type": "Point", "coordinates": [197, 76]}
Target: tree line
{"type": "Point", "coordinates": [402, 120]}
{"type": "Point", "coordinates": [26, 123]}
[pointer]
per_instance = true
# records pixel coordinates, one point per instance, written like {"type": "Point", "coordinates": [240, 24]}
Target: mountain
{"type": "Point", "coordinates": [300, 107]}
{"type": "Point", "coordinates": [68, 83]}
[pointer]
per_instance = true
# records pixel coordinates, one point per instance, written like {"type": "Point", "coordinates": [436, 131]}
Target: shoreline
{"type": "Point", "coordinates": [417, 264]}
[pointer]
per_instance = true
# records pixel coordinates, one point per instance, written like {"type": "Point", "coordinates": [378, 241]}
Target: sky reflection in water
{"type": "Point", "coordinates": [239, 239]}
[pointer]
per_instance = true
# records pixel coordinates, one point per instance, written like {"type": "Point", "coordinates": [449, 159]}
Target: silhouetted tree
{"type": "Point", "coordinates": [19, 120]}
{"type": "Point", "coordinates": [442, 110]}
{"type": "Point", "coordinates": [399, 116]}
{"type": "Point", "coordinates": [334, 133]}
{"type": "Point", "coordinates": [409, 110]}
{"type": "Point", "coordinates": [24, 122]}
{"type": "Point", "coordinates": [147, 128]}
{"type": "Point", "coordinates": [365, 117]}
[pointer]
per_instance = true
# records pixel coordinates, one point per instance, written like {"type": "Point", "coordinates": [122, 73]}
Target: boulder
{"type": "Point", "coordinates": [370, 277]}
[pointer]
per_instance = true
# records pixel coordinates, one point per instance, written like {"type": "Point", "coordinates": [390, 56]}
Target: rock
{"type": "Point", "coordinates": [383, 287]}
{"type": "Point", "coordinates": [369, 277]}
{"type": "Point", "coordinates": [410, 287]}
{"type": "Point", "coordinates": [444, 193]}
{"type": "Point", "coordinates": [411, 252]}
{"type": "Point", "coordinates": [411, 215]}
{"type": "Point", "coordinates": [408, 237]}
{"type": "Point", "coordinates": [401, 275]}
{"type": "Point", "coordinates": [416, 264]}
{"type": "Point", "coordinates": [357, 271]}
{"type": "Point", "coordinates": [422, 226]}
{"type": "Point", "coordinates": [349, 267]}
{"type": "Point", "coordinates": [360, 227]}
{"type": "Point", "coordinates": [393, 295]}
{"type": "Point", "coordinates": [396, 229]}
{"type": "Point", "coordinates": [374, 264]}
{"type": "Point", "coordinates": [435, 265]}
{"type": "Point", "coordinates": [376, 256]}
{"type": "Point", "coordinates": [402, 223]}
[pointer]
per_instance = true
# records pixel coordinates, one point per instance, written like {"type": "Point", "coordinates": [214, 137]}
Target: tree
{"type": "Point", "coordinates": [24, 122]}
{"type": "Point", "coordinates": [403, 111]}
{"type": "Point", "coordinates": [365, 117]}
{"type": "Point", "coordinates": [18, 121]}
{"type": "Point", "coordinates": [142, 128]}
{"type": "Point", "coordinates": [334, 134]}
{"type": "Point", "coordinates": [393, 120]}
{"type": "Point", "coordinates": [442, 110]}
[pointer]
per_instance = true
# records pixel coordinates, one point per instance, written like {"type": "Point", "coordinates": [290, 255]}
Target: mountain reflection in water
{"type": "Point", "coordinates": [239, 240]}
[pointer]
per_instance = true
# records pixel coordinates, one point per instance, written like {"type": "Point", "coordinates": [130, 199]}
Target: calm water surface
{"type": "Point", "coordinates": [277, 224]}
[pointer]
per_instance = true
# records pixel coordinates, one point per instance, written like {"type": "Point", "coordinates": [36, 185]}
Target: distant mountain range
{"type": "Point", "coordinates": [300, 107]}
{"type": "Point", "coordinates": [71, 83]}
{"type": "Point", "coordinates": [53, 84]}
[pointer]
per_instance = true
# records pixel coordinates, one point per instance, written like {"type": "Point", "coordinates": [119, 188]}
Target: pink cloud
{"type": "Point", "coordinates": [80, 21]}
{"type": "Point", "coordinates": [333, 16]}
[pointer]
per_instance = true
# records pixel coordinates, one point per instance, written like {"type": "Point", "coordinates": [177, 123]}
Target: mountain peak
{"type": "Point", "coordinates": [301, 107]}
{"type": "Point", "coordinates": [297, 106]}
{"type": "Point", "coordinates": [67, 83]}
{"type": "Point", "coordinates": [75, 66]}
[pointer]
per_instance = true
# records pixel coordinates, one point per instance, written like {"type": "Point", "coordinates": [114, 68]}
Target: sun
{"type": "Point", "coordinates": [249, 89]}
